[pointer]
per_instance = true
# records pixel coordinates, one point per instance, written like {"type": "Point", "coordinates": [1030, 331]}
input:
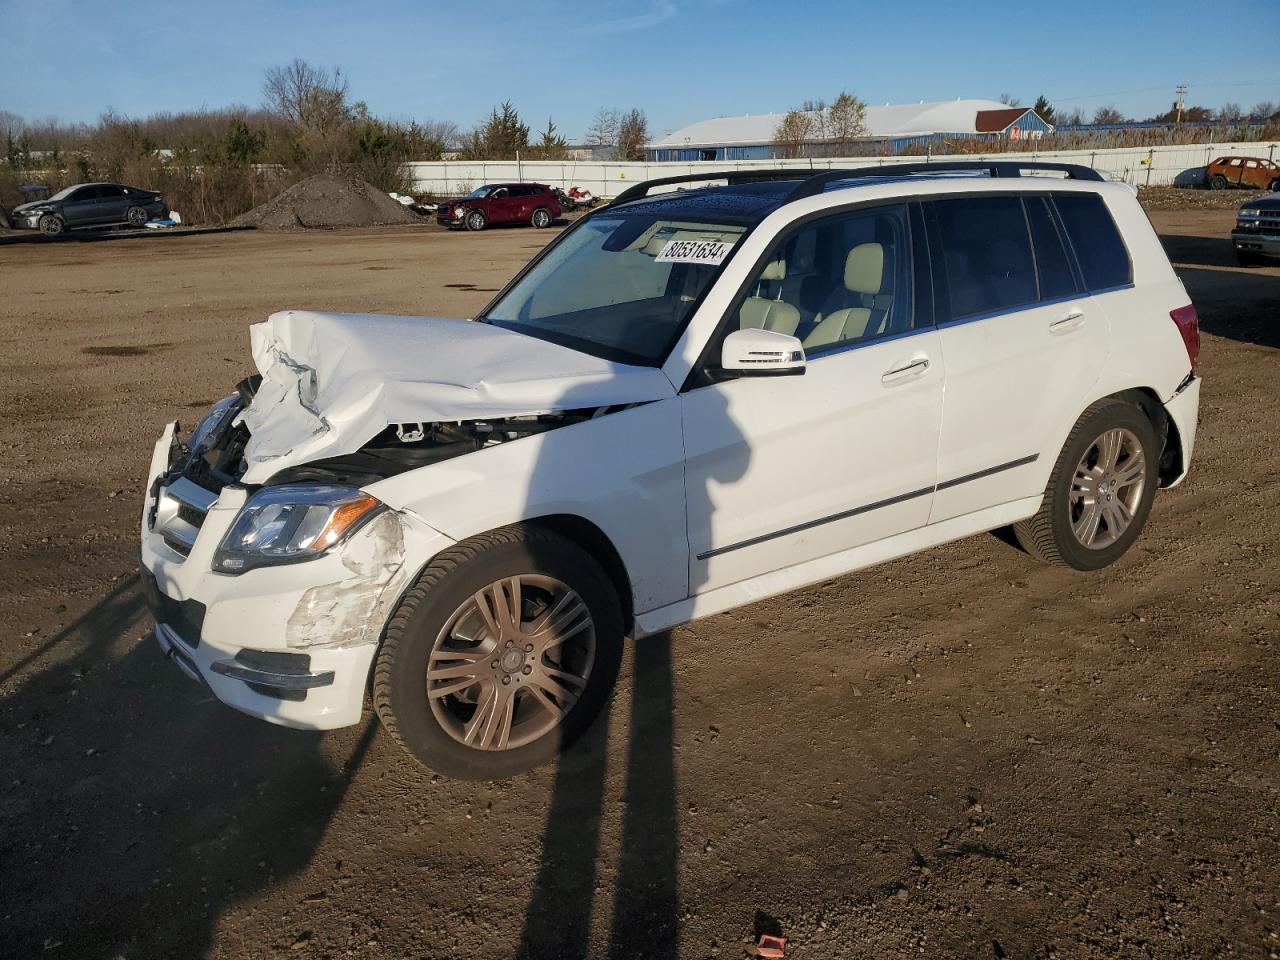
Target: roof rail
{"type": "Point", "coordinates": [732, 176]}
{"type": "Point", "coordinates": [992, 168]}
{"type": "Point", "coordinates": [815, 181]}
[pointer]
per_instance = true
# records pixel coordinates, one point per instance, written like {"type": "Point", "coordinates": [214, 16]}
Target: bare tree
{"type": "Point", "coordinates": [846, 122]}
{"type": "Point", "coordinates": [604, 128]}
{"type": "Point", "coordinates": [1264, 110]}
{"type": "Point", "coordinates": [1009, 100]}
{"type": "Point", "coordinates": [633, 134]}
{"type": "Point", "coordinates": [307, 96]}
{"type": "Point", "coordinates": [817, 110]}
{"type": "Point", "coordinates": [1108, 115]}
{"type": "Point", "coordinates": [1230, 111]}
{"type": "Point", "coordinates": [794, 135]}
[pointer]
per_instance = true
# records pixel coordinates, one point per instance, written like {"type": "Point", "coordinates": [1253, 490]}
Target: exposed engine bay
{"type": "Point", "coordinates": [214, 454]}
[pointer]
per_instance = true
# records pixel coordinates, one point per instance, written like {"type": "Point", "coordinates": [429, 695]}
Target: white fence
{"type": "Point", "coordinates": [1153, 166]}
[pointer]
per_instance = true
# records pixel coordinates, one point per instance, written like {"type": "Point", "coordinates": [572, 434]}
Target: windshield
{"type": "Point", "coordinates": [619, 287]}
{"type": "Point", "coordinates": [478, 193]}
{"type": "Point", "coordinates": [64, 192]}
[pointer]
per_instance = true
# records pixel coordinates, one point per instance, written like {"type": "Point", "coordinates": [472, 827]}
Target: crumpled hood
{"type": "Point", "coordinates": [332, 381]}
{"type": "Point", "coordinates": [30, 205]}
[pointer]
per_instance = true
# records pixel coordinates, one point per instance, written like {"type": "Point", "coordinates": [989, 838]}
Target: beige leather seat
{"type": "Point", "coordinates": [863, 274]}
{"type": "Point", "coordinates": [761, 313]}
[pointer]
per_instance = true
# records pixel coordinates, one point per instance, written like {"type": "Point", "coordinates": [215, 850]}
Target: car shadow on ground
{"type": "Point", "coordinates": [92, 236]}
{"type": "Point", "coordinates": [1238, 303]}
{"type": "Point", "coordinates": [134, 810]}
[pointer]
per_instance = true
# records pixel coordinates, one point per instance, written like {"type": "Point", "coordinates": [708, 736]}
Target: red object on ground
{"type": "Point", "coordinates": [771, 946]}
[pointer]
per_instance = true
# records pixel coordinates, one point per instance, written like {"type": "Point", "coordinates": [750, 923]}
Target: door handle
{"type": "Point", "coordinates": [1071, 321]}
{"type": "Point", "coordinates": [917, 366]}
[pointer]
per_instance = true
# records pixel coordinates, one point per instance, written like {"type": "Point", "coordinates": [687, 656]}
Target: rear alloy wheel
{"type": "Point", "coordinates": [1099, 495]}
{"type": "Point", "coordinates": [541, 218]}
{"type": "Point", "coordinates": [137, 216]}
{"type": "Point", "coordinates": [476, 220]}
{"type": "Point", "coordinates": [52, 225]}
{"type": "Point", "coordinates": [500, 655]}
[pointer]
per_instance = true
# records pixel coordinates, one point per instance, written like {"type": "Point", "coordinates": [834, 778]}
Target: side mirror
{"type": "Point", "coordinates": [761, 353]}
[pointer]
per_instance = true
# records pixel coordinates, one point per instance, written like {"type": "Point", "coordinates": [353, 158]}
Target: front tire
{"type": "Point", "coordinates": [476, 220]}
{"type": "Point", "coordinates": [1100, 492]}
{"type": "Point", "coordinates": [501, 654]}
{"type": "Point", "coordinates": [541, 218]}
{"type": "Point", "coordinates": [52, 225]}
{"type": "Point", "coordinates": [1217, 182]}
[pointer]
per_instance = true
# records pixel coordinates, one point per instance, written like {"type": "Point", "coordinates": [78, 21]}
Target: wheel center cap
{"type": "Point", "coordinates": [512, 660]}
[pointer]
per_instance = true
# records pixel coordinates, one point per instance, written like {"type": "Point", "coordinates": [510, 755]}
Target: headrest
{"type": "Point", "coordinates": [777, 270]}
{"type": "Point", "coordinates": [657, 243]}
{"type": "Point", "coordinates": [864, 268]}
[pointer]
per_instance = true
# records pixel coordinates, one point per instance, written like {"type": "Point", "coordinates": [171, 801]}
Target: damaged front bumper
{"type": "Point", "coordinates": [290, 644]}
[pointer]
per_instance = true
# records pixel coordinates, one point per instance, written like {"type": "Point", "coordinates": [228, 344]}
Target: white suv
{"type": "Point", "coordinates": [692, 399]}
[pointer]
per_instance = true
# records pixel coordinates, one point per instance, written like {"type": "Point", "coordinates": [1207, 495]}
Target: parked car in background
{"type": "Point", "coordinates": [534, 203]}
{"type": "Point", "coordinates": [90, 205]}
{"type": "Point", "coordinates": [1257, 233]}
{"type": "Point", "coordinates": [1249, 172]}
{"type": "Point", "coordinates": [687, 402]}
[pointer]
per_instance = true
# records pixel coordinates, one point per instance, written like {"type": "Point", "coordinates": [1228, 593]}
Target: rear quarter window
{"type": "Point", "coordinates": [1100, 251]}
{"type": "Point", "coordinates": [983, 250]}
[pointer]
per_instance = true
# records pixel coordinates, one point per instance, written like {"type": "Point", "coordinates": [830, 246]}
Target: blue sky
{"type": "Point", "coordinates": [679, 60]}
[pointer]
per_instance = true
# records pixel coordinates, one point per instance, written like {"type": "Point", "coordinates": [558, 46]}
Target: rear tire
{"type": "Point", "coordinates": [1096, 504]}
{"type": "Point", "coordinates": [1274, 186]}
{"type": "Point", "coordinates": [439, 628]}
{"type": "Point", "coordinates": [52, 225]}
{"type": "Point", "coordinates": [541, 218]}
{"type": "Point", "coordinates": [476, 220]}
{"type": "Point", "coordinates": [137, 216]}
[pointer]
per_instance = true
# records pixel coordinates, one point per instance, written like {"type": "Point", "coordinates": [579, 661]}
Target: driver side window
{"type": "Point", "coordinates": [836, 282]}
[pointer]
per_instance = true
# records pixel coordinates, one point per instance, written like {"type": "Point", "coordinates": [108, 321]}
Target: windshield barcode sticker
{"type": "Point", "coordinates": [710, 252]}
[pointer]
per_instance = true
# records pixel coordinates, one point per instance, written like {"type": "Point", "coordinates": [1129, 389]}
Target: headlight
{"type": "Point", "coordinates": [457, 213]}
{"type": "Point", "coordinates": [1250, 212]}
{"type": "Point", "coordinates": [291, 523]}
{"type": "Point", "coordinates": [210, 422]}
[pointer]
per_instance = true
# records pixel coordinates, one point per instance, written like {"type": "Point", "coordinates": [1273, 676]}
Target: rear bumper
{"type": "Point", "coordinates": [1184, 411]}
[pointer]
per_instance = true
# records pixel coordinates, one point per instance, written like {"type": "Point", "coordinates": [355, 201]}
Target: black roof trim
{"type": "Point", "coordinates": [814, 182]}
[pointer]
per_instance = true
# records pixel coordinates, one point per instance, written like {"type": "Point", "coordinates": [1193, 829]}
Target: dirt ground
{"type": "Point", "coordinates": [959, 754]}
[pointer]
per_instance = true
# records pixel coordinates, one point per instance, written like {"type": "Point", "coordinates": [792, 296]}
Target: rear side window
{"type": "Point", "coordinates": [1053, 265]}
{"type": "Point", "coordinates": [985, 254]}
{"type": "Point", "coordinates": [1101, 254]}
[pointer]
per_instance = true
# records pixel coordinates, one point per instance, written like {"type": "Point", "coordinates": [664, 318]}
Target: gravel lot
{"type": "Point", "coordinates": [959, 754]}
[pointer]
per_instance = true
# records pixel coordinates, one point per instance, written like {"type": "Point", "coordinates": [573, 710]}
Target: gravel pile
{"type": "Point", "coordinates": [326, 202]}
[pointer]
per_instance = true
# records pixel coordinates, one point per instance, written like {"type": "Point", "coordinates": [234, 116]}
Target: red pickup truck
{"type": "Point", "coordinates": [534, 203]}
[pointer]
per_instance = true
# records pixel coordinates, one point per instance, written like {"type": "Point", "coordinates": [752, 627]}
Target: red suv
{"type": "Point", "coordinates": [534, 203]}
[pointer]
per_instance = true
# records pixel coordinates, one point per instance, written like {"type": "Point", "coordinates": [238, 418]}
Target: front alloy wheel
{"type": "Point", "coordinates": [51, 225]}
{"type": "Point", "coordinates": [476, 220]}
{"type": "Point", "coordinates": [500, 655]}
{"type": "Point", "coordinates": [137, 216]}
{"type": "Point", "coordinates": [511, 662]}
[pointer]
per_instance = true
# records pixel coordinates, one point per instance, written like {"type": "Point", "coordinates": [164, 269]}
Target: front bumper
{"type": "Point", "coordinates": [290, 644]}
{"type": "Point", "coordinates": [1256, 244]}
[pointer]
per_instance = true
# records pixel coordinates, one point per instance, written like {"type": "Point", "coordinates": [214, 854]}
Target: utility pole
{"type": "Point", "coordinates": [1182, 94]}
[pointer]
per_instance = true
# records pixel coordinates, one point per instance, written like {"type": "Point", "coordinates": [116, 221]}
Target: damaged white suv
{"type": "Point", "coordinates": [690, 400]}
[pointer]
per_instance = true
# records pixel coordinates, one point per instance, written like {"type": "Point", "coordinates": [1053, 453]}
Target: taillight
{"type": "Point", "coordinates": [1189, 326]}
